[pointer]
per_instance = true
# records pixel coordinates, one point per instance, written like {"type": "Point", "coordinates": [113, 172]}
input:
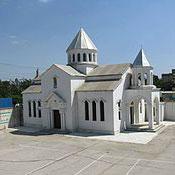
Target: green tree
{"type": "Point", "coordinates": [13, 89]}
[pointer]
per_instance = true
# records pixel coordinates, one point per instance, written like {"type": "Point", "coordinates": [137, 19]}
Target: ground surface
{"type": "Point", "coordinates": [59, 155]}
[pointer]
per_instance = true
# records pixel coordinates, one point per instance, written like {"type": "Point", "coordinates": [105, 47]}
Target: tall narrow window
{"type": "Point", "coordinates": [55, 82]}
{"type": "Point", "coordinates": [102, 114]}
{"type": "Point", "coordinates": [29, 106]}
{"type": "Point", "coordinates": [78, 57]}
{"type": "Point", "coordinates": [90, 57]}
{"type": "Point", "coordinates": [119, 115]}
{"type": "Point", "coordinates": [39, 109]}
{"type": "Point", "coordinates": [94, 111]}
{"type": "Point", "coordinates": [34, 108]}
{"type": "Point", "coordinates": [119, 110]}
{"type": "Point", "coordinates": [73, 58]}
{"type": "Point", "coordinates": [154, 111]}
{"type": "Point", "coordinates": [86, 110]}
{"type": "Point", "coordinates": [130, 80]}
{"type": "Point", "coordinates": [94, 57]}
{"type": "Point", "coordinates": [84, 57]}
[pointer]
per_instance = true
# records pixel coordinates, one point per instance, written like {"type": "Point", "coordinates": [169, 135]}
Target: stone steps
{"type": "Point", "coordinates": [158, 128]}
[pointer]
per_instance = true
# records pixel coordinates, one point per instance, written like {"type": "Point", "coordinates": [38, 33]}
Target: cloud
{"type": "Point", "coordinates": [44, 1]}
{"type": "Point", "coordinates": [15, 42]}
{"type": "Point", "coordinates": [12, 36]}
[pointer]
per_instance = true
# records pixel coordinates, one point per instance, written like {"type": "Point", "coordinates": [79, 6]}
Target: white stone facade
{"type": "Point", "coordinates": [90, 97]}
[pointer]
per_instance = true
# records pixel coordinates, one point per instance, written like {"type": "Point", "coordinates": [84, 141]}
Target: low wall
{"type": "Point", "coordinates": [10, 117]}
{"type": "Point", "coordinates": [169, 111]}
{"type": "Point", "coordinates": [5, 115]}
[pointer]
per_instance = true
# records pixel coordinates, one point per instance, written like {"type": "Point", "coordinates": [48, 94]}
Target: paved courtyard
{"type": "Point", "coordinates": [37, 154]}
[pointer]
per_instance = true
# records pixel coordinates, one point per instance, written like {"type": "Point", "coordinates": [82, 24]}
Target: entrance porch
{"type": "Point", "coordinates": [55, 107]}
{"type": "Point", "coordinates": [142, 110]}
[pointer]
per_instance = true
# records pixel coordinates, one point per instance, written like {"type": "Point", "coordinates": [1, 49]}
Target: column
{"type": "Point", "coordinates": [128, 117]}
{"type": "Point", "coordinates": [36, 102]}
{"type": "Point", "coordinates": [62, 115]}
{"type": "Point", "coordinates": [136, 112]}
{"type": "Point", "coordinates": [31, 108]}
{"type": "Point", "coordinates": [150, 116]}
{"type": "Point", "coordinates": [98, 111]}
{"type": "Point", "coordinates": [90, 111]}
{"type": "Point", "coordinates": [142, 79]}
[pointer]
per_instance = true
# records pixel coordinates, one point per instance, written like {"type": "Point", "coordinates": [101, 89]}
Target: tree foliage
{"type": "Point", "coordinates": [164, 86]}
{"type": "Point", "coordinates": [13, 89]}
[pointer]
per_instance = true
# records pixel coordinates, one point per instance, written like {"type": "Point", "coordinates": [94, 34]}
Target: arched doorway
{"type": "Point", "coordinates": [56, 119]}
{"type": "Point", "coordinates": [138, 112]}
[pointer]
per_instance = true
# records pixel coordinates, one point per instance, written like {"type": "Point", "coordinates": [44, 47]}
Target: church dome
{"type": "Point", "coordinates": [82, 51]}
{"type": "Point", "coordinates": [81, 41]}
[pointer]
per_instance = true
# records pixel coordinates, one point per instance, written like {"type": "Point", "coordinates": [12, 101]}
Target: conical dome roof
{"type": "Point", "coordinates": [82, 41]}
{"type": "Point", "coordinates": [141, 60]}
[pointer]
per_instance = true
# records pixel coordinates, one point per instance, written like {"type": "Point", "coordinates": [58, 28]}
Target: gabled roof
{"type": "Point", "coordinates": [141, 60]}
{"type": "Point", "coordinates": [105, 82]}
{"type": "Point", "coordinates": [67, 69]}
{"type": "Point", "coordinates": [81, 41]}
{"type": "Point", "coordinates": [32, 89]}
{"type": "Point", "coordinates": [108, 85]}
{"type": "Point", "coordinates": [113, 69]}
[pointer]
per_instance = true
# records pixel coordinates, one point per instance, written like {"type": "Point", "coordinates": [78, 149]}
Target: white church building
{"type": "Point", "coordinates": [85, 96]}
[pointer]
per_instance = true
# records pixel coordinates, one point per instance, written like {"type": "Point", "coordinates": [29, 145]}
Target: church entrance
{"type": "Point", "coordinates": [56, 119]}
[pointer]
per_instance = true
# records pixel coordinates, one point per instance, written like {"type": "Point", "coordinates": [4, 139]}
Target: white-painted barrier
{"type": "Point", "coordinates": [169, 111]}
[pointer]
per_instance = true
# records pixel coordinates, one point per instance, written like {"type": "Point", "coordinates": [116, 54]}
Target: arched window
{"type": "Point", "coordinates": [39, 110]}
{"type": "Point", "coordinates": [119, 110]}
{"type": "Point", "coordinates": [29, 107]}
{"type": "Point", "coordinates": [54, 82]}
{"type": "Point", "coordinates": [102, 112]}
{"type": "Point", "coordinates": [86, 110]}
{"type": "Point", "coordinates": [34, 108]}
{"type": "Point", "coordinates": [139, 79]}
{"type": "Point", "coordinates": [84, 57]}
{"type": "Point", "coordinates": [130, 80]}
{"type": "Point", "coordinates": [146, 78]}
{"type": "Point", "coordinates": [93, 57]}
{"type": "Point", "coordinates": [73, 58]}
{"type": "Point", "coordinates": [78, 57]}
{"type": "Point", "coordinates": [90, 57]}
{"type": "Point", "coordinates": [131, 111]}
{"type": "Point", "coordinates": [94, 111]}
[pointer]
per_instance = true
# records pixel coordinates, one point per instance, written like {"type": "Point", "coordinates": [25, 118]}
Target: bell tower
{"type": "Point", "coordinates": [82, 53]}
{"type": "Point", "coordinates": [142, 71]}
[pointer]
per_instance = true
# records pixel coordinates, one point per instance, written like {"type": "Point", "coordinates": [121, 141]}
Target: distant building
{"type": "Point", "coordinates": [83, 95]}
{"type": "Point", "coordinates": [169, 80]}
{"type": "Point", "coordinates": [168, 96]}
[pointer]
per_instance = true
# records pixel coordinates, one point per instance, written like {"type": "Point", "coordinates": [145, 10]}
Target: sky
{"type": "Point", "coordinates": [36, 33]}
